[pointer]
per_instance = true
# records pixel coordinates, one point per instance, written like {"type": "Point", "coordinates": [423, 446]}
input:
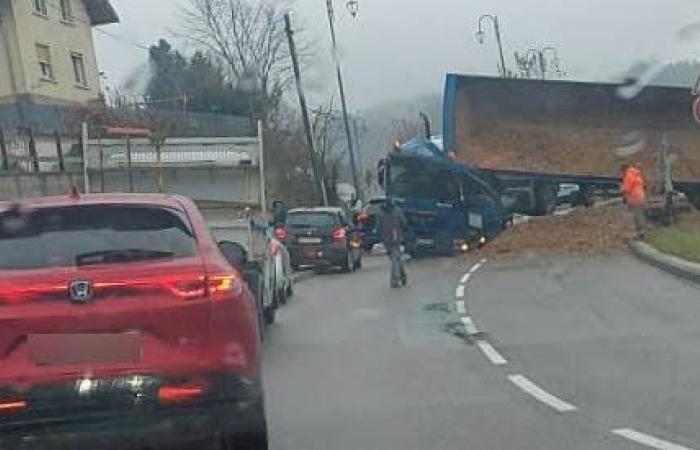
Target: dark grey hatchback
{"type": "Point", "coordinates": [322, 237]}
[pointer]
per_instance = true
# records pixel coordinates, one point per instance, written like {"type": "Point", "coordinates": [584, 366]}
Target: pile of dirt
{"type": "Point", "coordinates": [577, 149]}
{"type": "Point", "coordinates": [593, 230]}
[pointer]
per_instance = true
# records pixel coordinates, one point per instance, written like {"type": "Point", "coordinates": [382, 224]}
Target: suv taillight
{"type": "Point", "coordinates": [339, 234]}
{"type": "Point", "coordinates": [281, 234]}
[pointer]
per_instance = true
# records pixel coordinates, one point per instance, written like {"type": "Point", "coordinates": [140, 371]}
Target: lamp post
{"type": "Point", "coordinates": [497, 30]}
{"type": "Point", "coordinates": [352, 6]}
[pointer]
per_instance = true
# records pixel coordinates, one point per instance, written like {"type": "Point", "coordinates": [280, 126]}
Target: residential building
{"type": "Point", "coordinates": [47, 54]}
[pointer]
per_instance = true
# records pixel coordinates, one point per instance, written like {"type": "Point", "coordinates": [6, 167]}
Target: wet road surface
{"type": "Point", "coordinates": [352, 364]}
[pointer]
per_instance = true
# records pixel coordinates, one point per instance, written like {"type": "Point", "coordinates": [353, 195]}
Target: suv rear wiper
{"type": "Point", "coordinates": [120, 256]}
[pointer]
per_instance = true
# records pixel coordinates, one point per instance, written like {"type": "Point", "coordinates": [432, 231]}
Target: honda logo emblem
{"type": "Point", "coordinates": [81, 291]}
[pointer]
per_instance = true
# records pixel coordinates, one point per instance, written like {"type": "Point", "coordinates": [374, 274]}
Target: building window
{"type": "Point", "coordinates": [78, 69]}
{"type": "Point", "coordinates": [40, 7]}
{"type": "Point", "coordinates": [66, 10]}
{"type": "Point", "coordinates": [43, 55]}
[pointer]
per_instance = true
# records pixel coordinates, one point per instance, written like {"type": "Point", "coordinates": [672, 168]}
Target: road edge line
{"type": "Point", "coordinates": [529, 387]}
{"type": "Point", "coordinates": [491, 353]}
{"type": "Point", "coordinates": [646, 439]}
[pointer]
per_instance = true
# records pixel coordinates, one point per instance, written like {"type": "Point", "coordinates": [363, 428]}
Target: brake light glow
{"type": "Point", "coordinates": [221, 287]}
{"type": "Point", "coordinates": [12, 406]}
{"type": "Point", "coordinates": [170, 395]}
{"type": "Point", "coordinates": [339, 234]}
{"type": "Point", "coordinates": [363, 217]}
{"type": "Point", "coordinates": [281, 234]}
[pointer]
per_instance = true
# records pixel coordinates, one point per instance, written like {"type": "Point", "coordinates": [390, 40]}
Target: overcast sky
{"type": "Point", "coordinates": [401, 48]}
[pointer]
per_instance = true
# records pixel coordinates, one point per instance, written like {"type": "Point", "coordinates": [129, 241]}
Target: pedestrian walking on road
{"type": "Point", "coordinates": [392, 224]}
{"type": "Point", "coordinates": [634, 193]}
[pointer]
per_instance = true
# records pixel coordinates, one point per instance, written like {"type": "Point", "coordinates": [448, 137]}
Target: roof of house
{"type": "Point", "coordinates": [101, 12]}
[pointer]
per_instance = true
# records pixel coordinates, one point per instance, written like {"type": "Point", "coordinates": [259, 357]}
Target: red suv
{"type": "Point", "coordinates": [122, 325]}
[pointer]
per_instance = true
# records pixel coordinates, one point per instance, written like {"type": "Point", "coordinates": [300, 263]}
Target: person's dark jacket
{"type": "Point", "coordinates": [391, 226]}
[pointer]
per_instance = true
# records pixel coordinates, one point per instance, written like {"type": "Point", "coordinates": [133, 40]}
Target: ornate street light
{"type": "Point", "coordinates": [353, 6]}
{"type": "Point", "coordinates": [497, 30]}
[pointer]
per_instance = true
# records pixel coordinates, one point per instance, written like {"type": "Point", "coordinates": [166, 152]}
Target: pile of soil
{"type": "Point", "coordinates": [593, 230]}
{"type": "Point", "coordinates": [577, 149]}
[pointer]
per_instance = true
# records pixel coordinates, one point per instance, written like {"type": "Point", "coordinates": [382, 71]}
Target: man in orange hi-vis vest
{"type": "Point", "coordinates": [634, 192]}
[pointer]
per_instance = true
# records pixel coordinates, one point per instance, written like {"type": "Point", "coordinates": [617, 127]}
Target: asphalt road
{"type": "Point", "coordinates": [595, 353]}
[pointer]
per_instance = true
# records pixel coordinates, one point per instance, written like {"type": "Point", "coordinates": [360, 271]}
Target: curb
{"type": "Point", "coordinates": [676, 266]}
{"type": "Point", "coordinates": [303, 276]}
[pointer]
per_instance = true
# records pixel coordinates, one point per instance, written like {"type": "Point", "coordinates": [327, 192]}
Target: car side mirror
{"type": "Point", "coordinates": [234, 253]}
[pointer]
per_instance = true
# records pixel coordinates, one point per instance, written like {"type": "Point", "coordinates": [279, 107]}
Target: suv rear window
{"type": "Point", "coordinates": [312, 219]}
{"type": "Point", "coordinates": [87, 235]}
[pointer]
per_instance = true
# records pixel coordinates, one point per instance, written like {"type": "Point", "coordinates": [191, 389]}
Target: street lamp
{"type": "Point", "coordinates": [497, 30]}
{"type": "Point", "coordinates": [352, 6]}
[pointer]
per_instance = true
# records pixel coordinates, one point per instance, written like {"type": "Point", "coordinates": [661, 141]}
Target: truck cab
{"type": "Point", "coordinates": [449, 207]}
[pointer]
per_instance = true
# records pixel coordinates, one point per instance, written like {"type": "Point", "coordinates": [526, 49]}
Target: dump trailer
{"type": "Point", "coordinates": [510, 146]}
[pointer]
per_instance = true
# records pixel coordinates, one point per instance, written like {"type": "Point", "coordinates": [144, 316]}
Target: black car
{"type": "Point", "coordinates": [367, 220]}
{"type": "Point", "coordinates": [322, 237]}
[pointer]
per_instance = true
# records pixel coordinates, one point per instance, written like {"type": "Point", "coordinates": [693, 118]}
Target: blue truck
{"type": "Point", "coordinates": [452, 205]}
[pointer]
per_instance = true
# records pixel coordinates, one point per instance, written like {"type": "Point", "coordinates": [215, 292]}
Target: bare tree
{"type": "Point", "coordinates": [248, 36]}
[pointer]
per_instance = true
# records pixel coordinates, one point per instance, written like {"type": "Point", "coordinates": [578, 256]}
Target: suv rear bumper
{"type": "Point", "coordinates": [178, 426]}
{"type": "Point", "coordinates": [236, 408]}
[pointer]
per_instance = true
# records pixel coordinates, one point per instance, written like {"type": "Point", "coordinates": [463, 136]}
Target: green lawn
{"type": "Point", "coordinates": [681, 240]}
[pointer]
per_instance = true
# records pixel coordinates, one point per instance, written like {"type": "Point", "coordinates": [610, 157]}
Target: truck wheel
{"type": "Point", "coordinates": [545, 199]}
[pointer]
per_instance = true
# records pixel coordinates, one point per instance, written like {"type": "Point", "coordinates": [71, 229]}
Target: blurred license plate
{"type": "Point", "coordinates": [425, 242]}
{"type": "Point", "coordinates": [61, 349]}
{"type": "Point", "coordinates": [309, 240]}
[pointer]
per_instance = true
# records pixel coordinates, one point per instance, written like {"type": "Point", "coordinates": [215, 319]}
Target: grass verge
{"type": "Point", "coordinates": [682, 240]}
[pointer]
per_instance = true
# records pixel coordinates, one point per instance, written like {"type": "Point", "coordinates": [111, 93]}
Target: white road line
{"type": "Point", "coordinates": [540, 394]}
{"type": "Point", "coordinates": [469, 325]}
{"type": "Point", "coordinates": [465, 278]}
{"type": "Point", "coordinates": [460, 291]}
{"type": "Point", "coordinates": [491, 353]}
{"type": "Point", "coordinates": [646, 440]}
{"type": "Point", "coordinates": [476, 266]}
{"type": "Point", "coordinates": [461, 307]}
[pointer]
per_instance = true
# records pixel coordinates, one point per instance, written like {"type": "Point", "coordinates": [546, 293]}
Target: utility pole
{"type": "Point", "coordinates": [320, 186]}
{"type": "Point", "coordinates": [343, 103]}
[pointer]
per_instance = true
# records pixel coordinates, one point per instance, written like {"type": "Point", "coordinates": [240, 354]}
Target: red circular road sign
{"type": "Point", "coordinates": [696, 109]}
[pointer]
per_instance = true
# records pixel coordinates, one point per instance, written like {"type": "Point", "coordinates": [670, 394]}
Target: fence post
{"type": "Point", "coordinates": [59, 152]}
{"type": "Point", "coordinates": [32, 150]}
{"type": "Point", "coordinates": [128, 163]}
{"type": "Point", "coordinates": [84, 146]}
{"type": "Point", "coordinates": [3, 152]}
{"type": "Point", "coordinates": [102, 167]}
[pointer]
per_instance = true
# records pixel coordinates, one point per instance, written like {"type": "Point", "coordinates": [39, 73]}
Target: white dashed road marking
{"type": "Point", "coordinates": [461, 307]}
{"type": "Point", "coordinates": [477, 266]}
{"type": "Point", "coordinates": [491, 353]}
{"type": "Point", "coordinates": [646, 440]}
{"type": "Point", "coordinates": [469, 325]}
{"type": "Point", "coordinates": [459, 293]}
{"type": "Point", "coordinates": [540, 394]}
{"type": "Point", "coordinates": [465, 278]}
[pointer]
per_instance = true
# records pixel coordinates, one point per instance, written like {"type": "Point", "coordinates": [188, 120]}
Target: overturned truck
{"type": "Point", "coordinates": [572, 132]}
